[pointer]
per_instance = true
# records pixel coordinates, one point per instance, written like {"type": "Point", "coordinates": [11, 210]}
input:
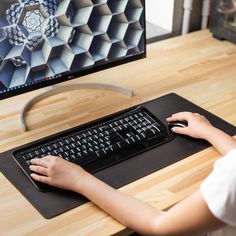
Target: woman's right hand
{"type": "Point", "coordinates": [198, 125]}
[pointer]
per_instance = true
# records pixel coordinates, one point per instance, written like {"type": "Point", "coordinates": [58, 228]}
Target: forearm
{"type": "Point", "coordinates": [220, 140]}
{"type": "Point", "coordinates": [129, 211]}
{"type": "Point", "coordinates": [191, 217]}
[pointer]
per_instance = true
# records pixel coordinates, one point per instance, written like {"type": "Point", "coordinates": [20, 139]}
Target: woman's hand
{"type": "Point", "coordinates": [57, 172]}
{"type": "Point", "coordinates": [198, 125]}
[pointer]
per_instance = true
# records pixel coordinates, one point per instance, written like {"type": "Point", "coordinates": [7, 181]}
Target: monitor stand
{"type": "Point", "coordinates": [60, 89]}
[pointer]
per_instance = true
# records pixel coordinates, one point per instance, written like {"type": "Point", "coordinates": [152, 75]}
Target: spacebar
{"type": "Point", "coordinates": [102, 163]}
{"type": "Point", "coordinates": [90, 157]}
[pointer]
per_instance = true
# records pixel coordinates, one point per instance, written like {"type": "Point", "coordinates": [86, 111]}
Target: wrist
{"type": "Point", "coordinates": [81, 182]}
{"type": "Point", "coordinates": [210, 132]}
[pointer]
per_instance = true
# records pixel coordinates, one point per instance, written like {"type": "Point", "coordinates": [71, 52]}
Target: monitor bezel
{"type": "Point", "coordinates": [86, 71]}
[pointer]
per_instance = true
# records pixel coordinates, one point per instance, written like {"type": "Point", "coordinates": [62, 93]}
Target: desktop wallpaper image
{"type": "Point", "coordinates": [41, 39]}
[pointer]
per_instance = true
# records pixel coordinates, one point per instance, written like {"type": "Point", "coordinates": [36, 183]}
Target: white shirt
{"type": "Point", "coordinates": [219, 192]}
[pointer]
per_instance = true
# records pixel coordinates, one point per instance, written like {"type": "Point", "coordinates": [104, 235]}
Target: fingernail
{"type": "Point", "coordinates": [173, 129]}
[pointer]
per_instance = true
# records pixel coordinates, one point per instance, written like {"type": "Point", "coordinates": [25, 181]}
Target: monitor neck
{"type": "Point", "coordinates": [53, 90]}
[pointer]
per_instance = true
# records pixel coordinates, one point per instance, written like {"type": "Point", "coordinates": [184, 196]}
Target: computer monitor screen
{"type": "Point", "coordinates": [43, 42]}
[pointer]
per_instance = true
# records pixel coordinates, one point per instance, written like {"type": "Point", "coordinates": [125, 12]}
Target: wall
{"type": "Point", "coordinates": [160, 12]}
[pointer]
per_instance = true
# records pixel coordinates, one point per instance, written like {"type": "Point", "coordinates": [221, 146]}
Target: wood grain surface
{"type": "Point", "coordinates": [195, 66]}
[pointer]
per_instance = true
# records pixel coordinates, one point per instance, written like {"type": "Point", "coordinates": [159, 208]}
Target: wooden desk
{"type": "Point", "coordinates": [195, 66]}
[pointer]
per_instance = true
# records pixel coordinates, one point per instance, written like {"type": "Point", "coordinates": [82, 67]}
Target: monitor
{"type": "Point", "coordinates": [44, 42]}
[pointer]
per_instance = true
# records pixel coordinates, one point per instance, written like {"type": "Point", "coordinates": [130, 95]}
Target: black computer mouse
{"type": "Point", "coordinates": [182, 124]}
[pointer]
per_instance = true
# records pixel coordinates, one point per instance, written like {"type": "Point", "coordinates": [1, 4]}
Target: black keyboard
{"type": "Point", "coordinates": [99, 144]}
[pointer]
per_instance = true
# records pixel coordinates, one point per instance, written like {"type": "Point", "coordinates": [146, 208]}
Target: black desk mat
{"type": "Point", "coordinates": [54, 203]}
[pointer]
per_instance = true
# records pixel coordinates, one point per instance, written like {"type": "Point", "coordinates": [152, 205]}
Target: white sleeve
{"type": "Point", "coordinates": [219, 189]}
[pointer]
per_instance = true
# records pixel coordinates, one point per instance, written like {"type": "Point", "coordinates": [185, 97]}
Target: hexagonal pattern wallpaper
{"type": "Point", "coordinates": [44, 38]}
